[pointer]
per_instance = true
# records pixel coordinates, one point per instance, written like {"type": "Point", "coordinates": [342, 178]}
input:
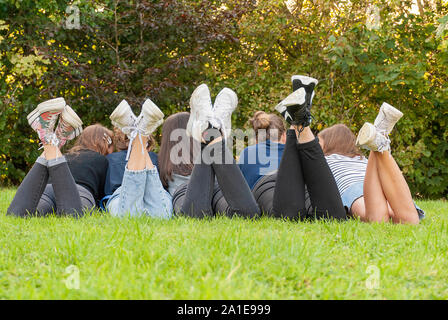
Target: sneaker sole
{"type": "Point", "coordinates": [152, 110]}
{"type": "Point", "coordinates": [191, 129]}
{"type": "Point", "coordinates": [231, 93]}
{"type": "Point", "coordinates": [297, 97]}
{"type": "Point", "coordinates": [391, 111]}
{"type": "Point", "coordinates": [198, 92]}
{"type": "Point", "coordinates": [57, 105]}
{"type": "Point", "coordinates": [366, 135]}
{"type": "Point", "coordinates": [305, 80]}
{"type": "Point", "coordinates": [120, 110]}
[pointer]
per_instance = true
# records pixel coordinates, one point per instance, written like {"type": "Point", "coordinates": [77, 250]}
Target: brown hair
{"type": "Point", "coordinates": [166, 166]}
{"type": "Point", "coordinates": [262, 120]}
{"type": "Point", "coordinates": [95, 138]}
{"type": "Point", "coordinates": [121, 141]}
{"type": "Point", "coordinates": [339, 139]}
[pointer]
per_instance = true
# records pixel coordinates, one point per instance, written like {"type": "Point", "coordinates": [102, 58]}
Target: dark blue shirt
{"type": "Point", "coordinates": [115, 171]}
{"type": "Point", "coordinates": [259, 160]}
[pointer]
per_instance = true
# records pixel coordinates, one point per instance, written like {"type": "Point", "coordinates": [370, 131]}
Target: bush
{"type": "Point", "coordinates": [164, 49]}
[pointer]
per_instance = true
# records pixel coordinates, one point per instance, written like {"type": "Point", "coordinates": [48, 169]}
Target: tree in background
{"type": "Point", "coordinates": [96, 53]}
{"type": "Point", "coordinates": [363, 53]}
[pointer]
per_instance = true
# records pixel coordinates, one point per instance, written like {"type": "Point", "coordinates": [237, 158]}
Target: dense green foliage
{"type": "Point", "coordinates": [163, 49]}
{"type": "Point", "coordinates": [145, 258]}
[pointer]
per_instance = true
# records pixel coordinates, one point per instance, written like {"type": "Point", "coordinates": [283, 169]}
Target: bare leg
{"type": "Point", "coordinates": [373, 206]}
{"type": "Point", "coordinates": [396, 189]}
{"type": "Point", "coordinates": [305, 136]}
{"type": "Point", "coordinates": [131, 198]}
{"type": "Point", "coordinates": [51, 152]}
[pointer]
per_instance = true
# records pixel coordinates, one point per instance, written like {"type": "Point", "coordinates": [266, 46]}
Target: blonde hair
{"type": "Point", "coordinates": [264, 121]}
{"type": "Point", "coordinates": [96, 138]}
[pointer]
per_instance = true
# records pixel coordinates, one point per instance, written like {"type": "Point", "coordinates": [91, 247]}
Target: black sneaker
{"type": "Point", "coordinates": [296, 107]}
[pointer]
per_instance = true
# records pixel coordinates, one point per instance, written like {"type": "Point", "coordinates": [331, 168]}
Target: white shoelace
{"type": "Point", "coordinates": [383, 145]}
{"type": "Point", "coordinates": [51, 139]}
{"type": "Point", "coordinates": [218, 123]}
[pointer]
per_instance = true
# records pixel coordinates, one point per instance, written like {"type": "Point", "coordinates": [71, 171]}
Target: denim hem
{"type": "Point", "coordinates": [42, 161]}
{"type": "Point", "coordinates": [153, 170]}
{"type": "Point", "coordinates": [55, 162]}
{"type": "Point", "coordinates": [134, 172]}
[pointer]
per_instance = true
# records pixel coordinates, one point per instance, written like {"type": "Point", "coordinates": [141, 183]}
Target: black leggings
{"type": "Point", "coordinates": [303, 186]}
{"type": "Point", "coordinates": [203, 197]}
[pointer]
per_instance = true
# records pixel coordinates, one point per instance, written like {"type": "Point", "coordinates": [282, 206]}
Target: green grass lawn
{"type": "Point", "coordinates": [221, 258]}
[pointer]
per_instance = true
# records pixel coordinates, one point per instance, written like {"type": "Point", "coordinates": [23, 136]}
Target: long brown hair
{"type": "Point", "coordinates": [268, 122]}
{"type": "Point", "coordinates": [166, 166]}
{"type": "Point", "coordinates": [339, 139]}
{"type": "Point", "coordinates": [95, 138]}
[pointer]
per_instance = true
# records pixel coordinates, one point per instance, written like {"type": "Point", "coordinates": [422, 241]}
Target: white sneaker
{"type": "Point", "coordinates": [54, 106]}
{"type": "Point", "coordinates": [123, 118]}
{"type": "Point", "coordinates": [296, 107]}
{"type": "Point", "coordinates": [69, 126]}
{"type": "Point", "coordinates": [225, 103]}
{"type": "Point", "coordinates": [201, 112]}
{"type": "Point", "coordinates": [304, 81]}
{"type": "Point", "coordinates": [149, 119]}
{"type": "Point", "coordinates": [44, 117]}
{"type": "Point", "coordinates": [369, 138]}
{"type": "Point", "coordinates": [387, 118]}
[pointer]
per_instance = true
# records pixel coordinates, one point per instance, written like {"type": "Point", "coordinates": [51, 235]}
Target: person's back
{"type": "Point", "coordinates": [259, 160]}
{"type": "Point", "coordinates": [358, 179]}
{"type": "Point", "coordinates": [117, 164]}
{"type": "Point", "coordinates": [69, 184]}
{"type": "Point", "coordinates": [89, 170]}
{"type": "Point", "coordinates": [346, 162]}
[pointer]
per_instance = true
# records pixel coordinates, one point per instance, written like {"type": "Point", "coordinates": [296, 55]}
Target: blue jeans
{"type": "Point", "coordinates": [141, 193]}
{"type": "Point", "coordinates": [356, 191]}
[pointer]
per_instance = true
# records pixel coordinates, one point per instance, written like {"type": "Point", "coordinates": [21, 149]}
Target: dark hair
{"type": "Point", "coordinates": [121, 141]}
{"type": "Point", "coordinates": [95, 138]}
{"type": "Point", "coordinates": [268, 122]}
{"type": "Point", "coordinates": [166, 166]}
{"type": "Point", "coordinates": [339, 139]}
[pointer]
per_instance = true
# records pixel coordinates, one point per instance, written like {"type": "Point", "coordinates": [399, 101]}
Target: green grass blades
{"type": "Point", "coordinates": [100, 257]}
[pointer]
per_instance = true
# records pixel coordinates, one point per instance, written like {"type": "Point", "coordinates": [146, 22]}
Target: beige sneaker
{"type": "Point", "coordinates": [123, 118]}
{"type": "Point", "coordinates": [150, 118]}
{"type": "Point", "coordinates": [44, 117]}
{"type": "Point", "coordinates": [69, 126]}
{"type": "Point", "coordinates": [369, 138]}
{"type": "Point", "coordinates": [387, 118]}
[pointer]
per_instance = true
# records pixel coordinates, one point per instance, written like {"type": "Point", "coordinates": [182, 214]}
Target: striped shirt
{"type": "Point", "coordinates": [347, 171]}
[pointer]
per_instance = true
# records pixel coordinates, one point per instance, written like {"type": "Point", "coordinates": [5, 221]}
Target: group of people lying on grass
{"type": "Point", "coordinates": [306, 177]}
